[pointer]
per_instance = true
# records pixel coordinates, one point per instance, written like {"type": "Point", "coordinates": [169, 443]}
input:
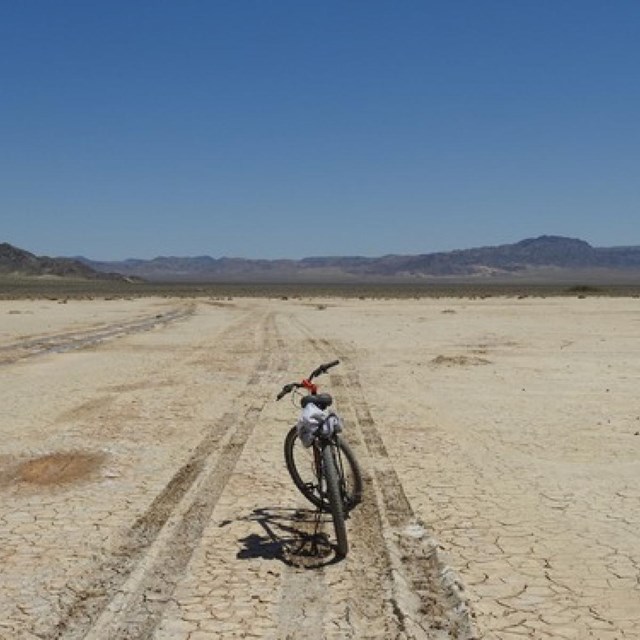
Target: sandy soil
{"type": "Point", "coordinates": [144, 494]}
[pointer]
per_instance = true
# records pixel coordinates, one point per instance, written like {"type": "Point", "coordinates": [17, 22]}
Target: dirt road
{"type": "Point", "coordinates": [144, 493]}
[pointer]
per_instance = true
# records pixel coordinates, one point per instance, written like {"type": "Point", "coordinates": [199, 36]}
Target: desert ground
{"type": "Point", "coordinates": [144, 492]}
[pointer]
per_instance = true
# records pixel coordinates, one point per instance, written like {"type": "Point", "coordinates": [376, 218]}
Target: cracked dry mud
{"type": "Point", "coordinates": [144, 492]}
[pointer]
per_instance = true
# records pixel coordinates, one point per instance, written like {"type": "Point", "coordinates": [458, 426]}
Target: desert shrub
{"type": "Point", "coordinates": [583, 289]}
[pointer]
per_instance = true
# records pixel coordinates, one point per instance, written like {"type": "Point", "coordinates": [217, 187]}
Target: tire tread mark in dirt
{"type": "Point", "coordinates": [369, 608]}
{"type": "Point", "coordinates": [366, 528]}
{"type": "Point", "coordinates": [145, 606]}
{"type": "Point", "coordinates": [302, 604]}
{"type": "Point", "coordinates": [142, 613]}
{"type": "Point", "coordinates": [89, 599]}
{"type": "Point", "coordinates": [71, 340]}
{"type": "Point", "coordinates": [441, 607]}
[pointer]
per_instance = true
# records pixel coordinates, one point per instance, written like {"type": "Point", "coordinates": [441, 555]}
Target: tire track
{"type": "Point", "coordinates": [426, 595]}
{"type": "Point", "coordinates": [71, 340]}
{"type": "Point", "coordinates": [362, 603]}
{"type": "Point", "coordinates": [126, 595]}
{"type": "Point", "coordinates": [303, 607]}
{"type": "Point", "coordinates": [441, 605]}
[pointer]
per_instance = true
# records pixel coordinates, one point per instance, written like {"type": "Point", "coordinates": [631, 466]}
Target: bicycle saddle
{"type": "Point", "coordinates": [321, 400]}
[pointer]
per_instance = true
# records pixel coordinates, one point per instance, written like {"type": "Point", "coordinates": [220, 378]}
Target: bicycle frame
{"type": "Point", "coordinates": [333, 481]}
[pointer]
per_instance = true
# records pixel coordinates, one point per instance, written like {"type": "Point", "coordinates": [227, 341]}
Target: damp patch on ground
{"type": "Point", "coordinates": [51, 469]}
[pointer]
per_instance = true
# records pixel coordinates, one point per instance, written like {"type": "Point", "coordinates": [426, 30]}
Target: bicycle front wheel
{"type": "Point", "coordinates": [303, 468]}
{"type": "Point", "coordinates": [334, 496]}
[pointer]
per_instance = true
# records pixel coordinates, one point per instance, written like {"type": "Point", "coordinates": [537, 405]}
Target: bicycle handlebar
{"type": "Point", "coordinates": [288, 388]}
{"type": "Point", "coordinates": [323, 368]}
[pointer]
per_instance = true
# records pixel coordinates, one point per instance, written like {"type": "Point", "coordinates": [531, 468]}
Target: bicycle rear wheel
{"type": "Point", "coordinates": [334, 496]}
{"type": "Point", "coordinates": [303, 469]}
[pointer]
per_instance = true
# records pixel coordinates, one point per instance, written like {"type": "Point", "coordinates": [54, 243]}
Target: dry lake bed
{"type": "Point", "coordinates": [144, 493]}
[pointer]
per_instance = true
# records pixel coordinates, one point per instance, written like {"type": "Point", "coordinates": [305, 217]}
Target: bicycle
{"type": "Point", "coordinates": [321, 464]}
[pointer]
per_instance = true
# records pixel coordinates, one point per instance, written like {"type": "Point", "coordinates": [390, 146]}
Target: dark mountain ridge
{"type": "Point", "coordinates": [529, 255]}
{"type": "Point", "coordinates": [15, 261]}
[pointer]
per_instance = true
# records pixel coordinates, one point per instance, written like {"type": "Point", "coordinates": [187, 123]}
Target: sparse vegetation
{"type": "Point", "coordinates": [585, 289]}
{"type": "Point", "coordinates": [12, 287]}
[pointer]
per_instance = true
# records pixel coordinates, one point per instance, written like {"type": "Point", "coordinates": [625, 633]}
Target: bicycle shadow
{"type": "Point", "coordinates": [292, 536]}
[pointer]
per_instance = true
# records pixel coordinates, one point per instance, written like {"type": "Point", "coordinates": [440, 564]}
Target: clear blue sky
{"type": "Point", "coordinates": [295, 128]}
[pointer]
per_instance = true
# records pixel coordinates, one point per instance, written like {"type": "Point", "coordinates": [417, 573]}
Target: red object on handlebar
{"type": "Point", "coordinates": [309, 386]}
{"type": "Point", "coordinates": [306, 383]}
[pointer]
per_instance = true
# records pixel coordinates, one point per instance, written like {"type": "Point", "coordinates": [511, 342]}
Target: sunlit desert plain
{"type": "Point", "coordinates": [144, 492]}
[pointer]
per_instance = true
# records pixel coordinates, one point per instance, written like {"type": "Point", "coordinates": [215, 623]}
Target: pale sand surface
{"type": "Point", "coordinates": [144, 492]}
{"type": "Point", "coordinates": [29, 318]}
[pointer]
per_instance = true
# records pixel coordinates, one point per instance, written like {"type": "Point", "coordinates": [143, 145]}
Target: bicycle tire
{"type": "Point", "coordinates": [334, 495]}
{"type": "Point", "coordinates": [301, 467]}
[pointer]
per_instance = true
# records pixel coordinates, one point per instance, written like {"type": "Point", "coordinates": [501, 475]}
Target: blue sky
{"type": "Point", "coordinates": [296, 128]}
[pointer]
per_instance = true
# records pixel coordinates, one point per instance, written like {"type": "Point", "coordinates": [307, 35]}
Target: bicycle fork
{"type": "Point", "coordinates": [337, 459]}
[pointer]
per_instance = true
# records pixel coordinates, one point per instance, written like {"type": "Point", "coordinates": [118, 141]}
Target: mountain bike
{"type": "Point", "coordinates": [321, 464]}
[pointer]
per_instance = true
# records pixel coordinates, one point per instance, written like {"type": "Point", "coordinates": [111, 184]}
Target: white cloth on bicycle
{"type": "Point", "coordinates": [309, 422]}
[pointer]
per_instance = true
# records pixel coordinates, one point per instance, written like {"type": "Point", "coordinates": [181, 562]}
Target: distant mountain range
{"type": "Point", "coordinates": [533, 255]}
{"type": "Point", "coordinates": [550, 255]}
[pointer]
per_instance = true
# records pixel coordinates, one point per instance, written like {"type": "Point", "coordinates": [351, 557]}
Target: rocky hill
{"type": "Point", "coordinates": [533, 254]}
{"type": "Point", "coordinates": [18, 262]}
